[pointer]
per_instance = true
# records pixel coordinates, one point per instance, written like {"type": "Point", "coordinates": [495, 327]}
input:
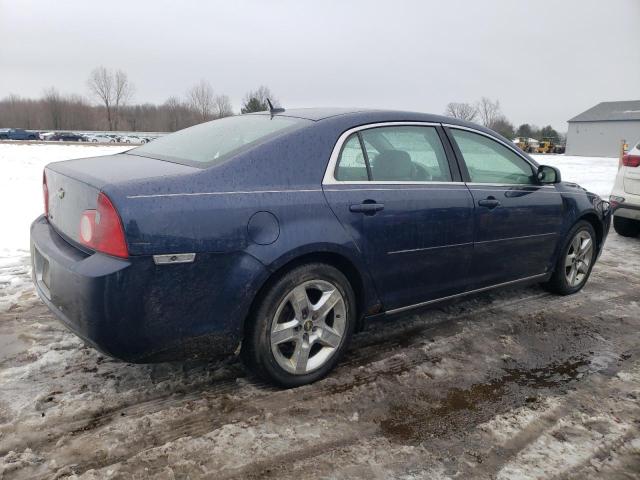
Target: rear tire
{"type": "Point", "coordinates": [626, 227]}
{"type": "Point", "coordinates": [575, 261]}
{"type": "Point", "coordinates": [301, 326]}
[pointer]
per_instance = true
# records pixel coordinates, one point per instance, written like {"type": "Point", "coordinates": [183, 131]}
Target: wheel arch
{"type": "Point", "coordinates": [340, 261]}
{"type": "Point", "coordinates": [596, 223]}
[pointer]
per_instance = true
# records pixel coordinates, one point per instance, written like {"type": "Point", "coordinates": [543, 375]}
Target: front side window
{"type": "Point", "coordinates": [491, 162]}
{"type": "Point", "coordinates": [394, 154]}
{"type": "Point", "coordinates": [211, 143]}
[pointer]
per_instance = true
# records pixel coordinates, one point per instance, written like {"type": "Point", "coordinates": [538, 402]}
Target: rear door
{"type": "Point", "coordinates": [517, 221]}
{"type": "Point", "coordinates": [397, 190]}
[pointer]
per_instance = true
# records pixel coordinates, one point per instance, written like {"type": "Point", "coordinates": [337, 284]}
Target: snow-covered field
{"type": "Point", "coordinates": [596, 174]}
{"type": "Point", "coordinates": [510, 384]}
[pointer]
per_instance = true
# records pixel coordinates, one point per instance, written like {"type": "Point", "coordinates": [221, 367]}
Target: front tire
{"type": "Point", "coordinates": [301, 326]}
{"type": "Point", "coordinates": [575, 261]}
{"type": "Point", "coordinates": [627, 227]}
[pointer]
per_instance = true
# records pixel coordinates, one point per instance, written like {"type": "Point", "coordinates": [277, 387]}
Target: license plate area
{"type": "Point", "coordinates": [42, 272]}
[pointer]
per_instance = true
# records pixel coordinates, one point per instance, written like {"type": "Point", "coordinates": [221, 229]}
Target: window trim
{"type": "Point", "coordinates": [329, 174]}
{"type": "Point", "coordinates": [463, 164]}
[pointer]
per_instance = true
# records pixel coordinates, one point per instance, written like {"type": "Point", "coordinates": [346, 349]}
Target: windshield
{"type": "Point", "coordinates": [211, 143]}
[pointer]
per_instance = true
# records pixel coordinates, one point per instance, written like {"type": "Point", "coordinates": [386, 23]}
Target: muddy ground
{"type": "Point", "coordinates": [511, 384]}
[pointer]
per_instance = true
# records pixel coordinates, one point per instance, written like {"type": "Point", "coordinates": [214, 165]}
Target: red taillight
{"type": "Point", "coordinates": [631, 160]}
{"type": "Point", "coordinates": [45, 192]}
{"type": "Point", "coordinates": [101, 229]}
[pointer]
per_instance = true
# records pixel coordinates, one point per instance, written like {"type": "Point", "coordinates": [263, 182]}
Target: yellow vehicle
{"type": "Point", "coordinates": [546, 146]}
{"type": "Point", "coordinates": [525, 144]}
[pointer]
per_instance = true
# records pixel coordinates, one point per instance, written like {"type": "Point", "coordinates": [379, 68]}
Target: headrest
{"type": "Point", "coordinates": [392, 165]}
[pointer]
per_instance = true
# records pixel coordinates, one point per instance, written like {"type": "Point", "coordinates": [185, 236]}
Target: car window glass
{"type": "Point", "coordinates": [490, 162]}
{"type": "Point", "coordinates": [212, 142]}
{"type": "Point", "coordinates": [406, 153]}
{"type": "Point", "coordinates": [351, 163]}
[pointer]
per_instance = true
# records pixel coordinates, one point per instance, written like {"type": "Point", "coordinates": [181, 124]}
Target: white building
{"type": "Point", "coordinates": [599, 131]}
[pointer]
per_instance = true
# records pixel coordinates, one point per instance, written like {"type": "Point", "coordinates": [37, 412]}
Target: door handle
{"type": "Point", "coordinates": [489, 203]}
{"type": "Point", "coordinates": [366, 208]}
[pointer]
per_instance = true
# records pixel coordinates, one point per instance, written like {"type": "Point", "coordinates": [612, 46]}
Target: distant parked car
{"type": "Point", "coordinates": [66, 137]}
{"type": "Point", "coordinates": [46, 135]}
{"type": "Point", "coordinates": [99, 139]}
{"type": "Point", "coordinates": [17, 134]}
{"type": "Point", "coordinates": [625, 197]}
{"type": "Point", "coordinates": [132, 139]}
{"type": "Point", "coordinates": [279, 232]}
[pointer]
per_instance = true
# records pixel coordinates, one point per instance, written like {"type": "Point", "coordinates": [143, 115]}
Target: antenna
{"type": "Point", "coordinates": [273, 110]}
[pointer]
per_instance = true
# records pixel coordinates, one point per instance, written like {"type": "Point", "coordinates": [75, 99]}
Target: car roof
{"type": "Point", "coordinates": [363, 115]}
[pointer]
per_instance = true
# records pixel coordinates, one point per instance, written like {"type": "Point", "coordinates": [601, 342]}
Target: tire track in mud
{"type": "Point", "coordinates": [216, 414]}
{"type": "Point", "coordinates": [368, 346]}
{"type": "Point", "coordinates": [230, 400]}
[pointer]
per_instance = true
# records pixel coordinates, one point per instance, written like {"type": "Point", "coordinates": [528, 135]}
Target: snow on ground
{"type": "Point", "coordinates": [596, 174]}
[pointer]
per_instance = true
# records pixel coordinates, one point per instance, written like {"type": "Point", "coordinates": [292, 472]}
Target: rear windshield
{"type": "Point", "coordinates": [211, 143]}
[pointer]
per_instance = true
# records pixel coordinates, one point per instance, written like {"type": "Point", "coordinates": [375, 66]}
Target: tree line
{"type": "Point", "coordinates": [488, 113]}
{"type": "Point", "coordinates": [109, 106]}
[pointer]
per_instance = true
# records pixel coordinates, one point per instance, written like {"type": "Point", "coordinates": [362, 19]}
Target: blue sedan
{"type": "Point", "coordinates": [278, 234]}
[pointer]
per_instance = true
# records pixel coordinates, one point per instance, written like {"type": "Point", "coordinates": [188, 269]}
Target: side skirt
{"type": "Point", "coordinates": [532, 279]}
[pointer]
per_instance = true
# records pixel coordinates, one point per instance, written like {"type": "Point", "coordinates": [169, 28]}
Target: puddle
{"type": "Point", "coordinates": [426, 417]}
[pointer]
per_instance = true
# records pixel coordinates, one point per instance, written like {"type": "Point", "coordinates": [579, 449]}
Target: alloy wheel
{"type": "Point", "coordinates": [308, 326]}
{"type": "Point", "coordinates": [578, 259]}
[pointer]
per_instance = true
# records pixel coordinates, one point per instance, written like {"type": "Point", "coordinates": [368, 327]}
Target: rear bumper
{"type": "Point", "coordinates": [630, 208]}
{"type": "Point", "coordinates": [137, 311]}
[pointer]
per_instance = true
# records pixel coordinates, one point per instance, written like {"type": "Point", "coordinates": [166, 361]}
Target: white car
{"type": "Point", "coordinates": [625, 197]}
{"type": "Point", "coordinates": [132, 139]}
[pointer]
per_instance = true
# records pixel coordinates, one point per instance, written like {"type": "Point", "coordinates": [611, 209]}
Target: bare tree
{"type": "Point", "coordinates": [173, 108]}
{"type": "Point", "coordinates": [463, 111]}
{"type": "Point", "coordinates": [256, 100]}
{"type": "Point", "coordinates": [112, 89]}
{"type": "Point", "coordinates": [53, 104]}
{"type": "Point", "coordinates": [489, 111]}
{"type": "Point", "coordinates": [222, 106]}
{"type": "Point", "coordinates": [122, 93]}
{"type": "Point", "coordinates": [202, 100]}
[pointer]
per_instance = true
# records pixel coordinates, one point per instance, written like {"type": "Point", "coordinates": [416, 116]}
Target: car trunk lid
{"type": "Point", "coordinates": [73, 185]}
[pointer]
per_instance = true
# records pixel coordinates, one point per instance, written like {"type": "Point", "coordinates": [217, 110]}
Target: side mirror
{"type": "Point", "coordinates": [547, 174]}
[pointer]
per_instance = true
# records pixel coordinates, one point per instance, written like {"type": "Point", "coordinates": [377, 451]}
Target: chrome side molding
{"type": "Point", "coordinates": [174, 258]}
{"type": "Point", "coordinates": [462, 294]}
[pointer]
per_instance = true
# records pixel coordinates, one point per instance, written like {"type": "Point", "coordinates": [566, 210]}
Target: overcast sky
{"type": "Point", "coordinates": [545, 60]}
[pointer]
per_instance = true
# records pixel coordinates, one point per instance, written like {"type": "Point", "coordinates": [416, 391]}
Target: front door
{"type": "Point", "coordinates": [393, 189]}
{"type": "Point", "coordinates": [517, 220]}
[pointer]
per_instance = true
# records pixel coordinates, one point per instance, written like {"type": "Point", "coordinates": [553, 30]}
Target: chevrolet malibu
{"type": "Point", "coordinates": [279, 234]}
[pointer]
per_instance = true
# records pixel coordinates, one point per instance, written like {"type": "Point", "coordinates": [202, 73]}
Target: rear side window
{"type": "Point", "coordinates": [394, 154]}
{"type": "Point", "coordinates": [491, 162]}
{"type": "Point", "coordinates": [351, 165]}
{"type": "Point", "coordinates": [211, 143]}
{"type": "Point", "coordinates": [406, 153]}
